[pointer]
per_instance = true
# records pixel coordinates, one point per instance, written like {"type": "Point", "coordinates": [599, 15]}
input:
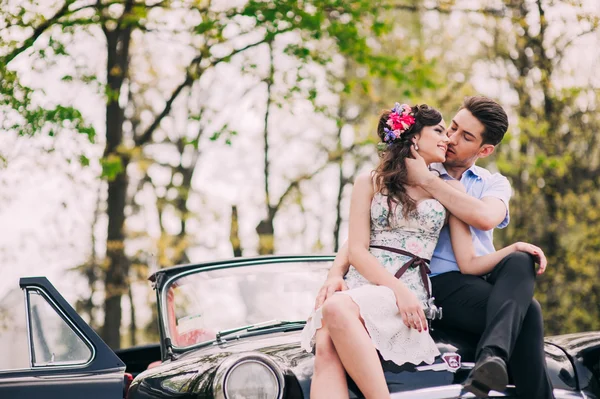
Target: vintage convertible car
{"type": "Point", "coordinates": [231, 329]}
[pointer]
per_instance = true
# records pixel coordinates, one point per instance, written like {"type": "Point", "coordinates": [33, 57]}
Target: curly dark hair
{"type": "Point", "coordinates": [391, 176]}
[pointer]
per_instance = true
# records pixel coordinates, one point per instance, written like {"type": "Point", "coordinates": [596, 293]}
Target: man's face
{"type": "Point", "coordinates": [466, 141]}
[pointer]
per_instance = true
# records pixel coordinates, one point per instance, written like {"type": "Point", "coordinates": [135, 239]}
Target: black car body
{"type": "Point", "coordinates": [209, 348]}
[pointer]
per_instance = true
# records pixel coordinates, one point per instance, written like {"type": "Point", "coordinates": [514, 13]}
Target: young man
{"type": "Point", "coordinates": [495, 304]}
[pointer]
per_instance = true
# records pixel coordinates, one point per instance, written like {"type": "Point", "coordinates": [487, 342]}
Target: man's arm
{"type": "Point", "coordinates": [466, 257]}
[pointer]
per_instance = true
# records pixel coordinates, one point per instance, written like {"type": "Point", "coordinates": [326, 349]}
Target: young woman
{"type": "Point", "coordinates": [393, 231]}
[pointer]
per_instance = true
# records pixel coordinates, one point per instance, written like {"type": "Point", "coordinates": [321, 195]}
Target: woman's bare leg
{"type": "Point", "coordinates": [354, 346]}
{"type": "Point", "coordinates": [329, 378]}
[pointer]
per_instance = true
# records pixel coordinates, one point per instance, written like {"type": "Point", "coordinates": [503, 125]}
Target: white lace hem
{"type": "Point", "coordinates": [394, 341]}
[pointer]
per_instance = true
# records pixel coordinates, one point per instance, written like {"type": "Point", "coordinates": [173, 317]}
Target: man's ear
{"type": "Point", "coordinates": [486, 150]}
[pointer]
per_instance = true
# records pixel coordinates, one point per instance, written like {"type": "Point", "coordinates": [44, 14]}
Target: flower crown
{"type": "Point", "coordinates": [400, 120]}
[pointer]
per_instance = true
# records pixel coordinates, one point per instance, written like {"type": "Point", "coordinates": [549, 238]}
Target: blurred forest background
{"type": "Point", "coordinates": [138, 134]}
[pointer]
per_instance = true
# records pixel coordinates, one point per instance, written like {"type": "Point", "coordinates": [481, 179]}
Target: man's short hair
{"type": "Point", "coordinates": [491, 115]}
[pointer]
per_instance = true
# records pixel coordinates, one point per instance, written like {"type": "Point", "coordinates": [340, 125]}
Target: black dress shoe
{"type": "Point", "coordinates": [488, 374]}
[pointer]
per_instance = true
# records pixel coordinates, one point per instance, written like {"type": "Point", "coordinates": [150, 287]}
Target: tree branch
{"type": "Point", "coordinates": [37, 32]}
{"type": "Point", "coordinates": [295, 183]}
{"type": "Point", "coordinates": [190, 78]}
{"type": "Point", "coordinates": [495, 12]}
{"type": "Point", "coordinates": [561, 52]}
{"type": "Point", "coordinates": [145, 137]}
{"type": "Point", "coordinates": [269, 81]}
{"type": "Point", "coordinates": [96, 6]}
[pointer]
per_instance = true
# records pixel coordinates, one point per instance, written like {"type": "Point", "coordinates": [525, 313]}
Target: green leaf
{"type": "Point", "coordinates": [111, 167]}
{"type": "Point", "coordinates": [84, 161]}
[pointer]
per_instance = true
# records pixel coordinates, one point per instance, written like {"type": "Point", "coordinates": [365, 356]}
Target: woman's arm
{"type": "Point", "coordinates": [359, 233]}
{"type": "Point", "coordinates": [335, 276]}
{"type": "Point", "coordinates": [483, 214]}
{"type": "Point", "coordinates": [464, 251]}
{"type": "Point", "coordinates": [368, 266]}
{"type": "Point", "coordinates": [341, 263]}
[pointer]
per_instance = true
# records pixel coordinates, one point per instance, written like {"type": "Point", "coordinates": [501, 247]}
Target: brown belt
{"type": "Point", "coordinates": [422, 264]}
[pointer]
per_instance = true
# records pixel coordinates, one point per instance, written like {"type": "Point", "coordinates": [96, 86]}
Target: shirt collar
{"type": "Point", "coordinates": [441, 169]}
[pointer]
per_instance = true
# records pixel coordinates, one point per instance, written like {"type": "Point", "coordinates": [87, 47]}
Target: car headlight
{"type": "Point", "coordinates": [251, 376]}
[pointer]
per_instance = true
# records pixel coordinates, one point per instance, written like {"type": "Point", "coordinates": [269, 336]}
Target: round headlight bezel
{"type": "Point", "coordinates": [233, 362]}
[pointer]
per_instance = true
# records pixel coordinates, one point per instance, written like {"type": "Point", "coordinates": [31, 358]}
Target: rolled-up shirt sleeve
{"type": "Point", "coordinates": [498, 186]}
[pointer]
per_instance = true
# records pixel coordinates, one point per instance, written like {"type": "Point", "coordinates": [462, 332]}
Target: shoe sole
{"type": "Point", "coordinates": [485, 378]}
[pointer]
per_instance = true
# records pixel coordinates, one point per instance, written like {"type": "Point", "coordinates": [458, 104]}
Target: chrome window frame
{"type": "Point", "coordinates": [66, 319]}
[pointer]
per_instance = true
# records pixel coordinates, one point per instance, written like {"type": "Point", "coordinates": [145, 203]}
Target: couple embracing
{"type": "Point", "coordinates": [421, 227]}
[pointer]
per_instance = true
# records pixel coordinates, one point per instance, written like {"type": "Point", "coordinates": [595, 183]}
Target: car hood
{"type": "Point", "coordinates": [193, 373]}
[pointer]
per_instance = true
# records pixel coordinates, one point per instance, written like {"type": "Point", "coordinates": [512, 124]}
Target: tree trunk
{"type": "Point", "coordinates": [341, 178]}
{"type": "Point", "coordinates": [338, 210]}
{"type": "Point", "coordinates": [133, 324]}
{"type": "Point", "coordinates": [265, 230]}
{"type": "Point", "coordinates": [234, 234]}
{"type": "Point", "coordinates": [266, 235]}
{"type": "Point", "coordinates": [115, 280]}
{"type": "Point", "coordinates": [181, 205]}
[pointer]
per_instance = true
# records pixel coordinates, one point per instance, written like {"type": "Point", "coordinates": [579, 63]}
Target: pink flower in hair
{"type": "Point", "coordinates": [399, 121]}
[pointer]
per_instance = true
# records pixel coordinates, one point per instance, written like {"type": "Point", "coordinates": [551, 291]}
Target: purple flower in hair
{"type": "Point", "coordinates": [389, 135]}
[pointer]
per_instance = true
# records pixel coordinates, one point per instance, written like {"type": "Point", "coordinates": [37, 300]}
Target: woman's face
{"type": "Point", "coordinates": [433, 143]}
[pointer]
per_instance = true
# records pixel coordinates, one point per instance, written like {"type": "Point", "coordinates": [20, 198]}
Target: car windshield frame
{"type": "Point", "coordinates": [167, 342]}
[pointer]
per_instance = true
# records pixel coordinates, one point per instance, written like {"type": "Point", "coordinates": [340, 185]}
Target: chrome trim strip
{"type": "Point", "coordinates": [444, 367]}
{"type": "Point", "coordinates": [565, 394]}
{"type": "Point", "coordinates": [27, 323]}
{"type": "Point", "coordinates": [455, 391]}
{"type": "Point", "coordinates": [443, 392]}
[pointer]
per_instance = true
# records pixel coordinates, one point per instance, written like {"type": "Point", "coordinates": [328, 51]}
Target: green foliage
{"type": "Point", "coordinates": [551, 158]}
{"type": "Point", "coordinates": [224, 134]}
{"type": "Point", "coordinates": [111, 167]}
{"type": "Point", "coordinates": [20, 113]}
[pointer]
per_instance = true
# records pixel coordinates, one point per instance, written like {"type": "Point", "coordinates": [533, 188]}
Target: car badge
{"type": "Point", "coordinates": [452, 361]}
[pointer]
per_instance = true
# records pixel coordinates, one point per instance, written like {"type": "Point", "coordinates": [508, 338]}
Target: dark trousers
{"type": "Point", "coordinates": [501, 310]}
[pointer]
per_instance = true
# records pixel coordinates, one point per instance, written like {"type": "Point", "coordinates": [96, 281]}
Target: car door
{"type": "Point", "coordinates": [49, 351]}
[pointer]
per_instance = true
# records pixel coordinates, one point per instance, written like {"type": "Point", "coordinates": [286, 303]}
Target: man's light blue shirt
{"type": "Point", "coordinates": [479, 183]}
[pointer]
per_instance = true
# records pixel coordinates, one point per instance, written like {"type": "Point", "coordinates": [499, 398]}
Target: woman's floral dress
{"type": "Point", "coordinates": [417, 234]}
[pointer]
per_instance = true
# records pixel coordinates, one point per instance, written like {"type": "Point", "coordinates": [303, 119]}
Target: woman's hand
{"type": "Point", "coordinates": [538, 254]}
{"type": "Point", "coordinates": [330, 287]}
{"type": "Point", "coordinates": [410, 308]}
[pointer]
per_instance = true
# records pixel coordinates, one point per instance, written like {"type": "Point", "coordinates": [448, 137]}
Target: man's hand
{"type": "Point", "coordinates": [331, 286]}
{"type": "Point", "coordinates": [417, 172]}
